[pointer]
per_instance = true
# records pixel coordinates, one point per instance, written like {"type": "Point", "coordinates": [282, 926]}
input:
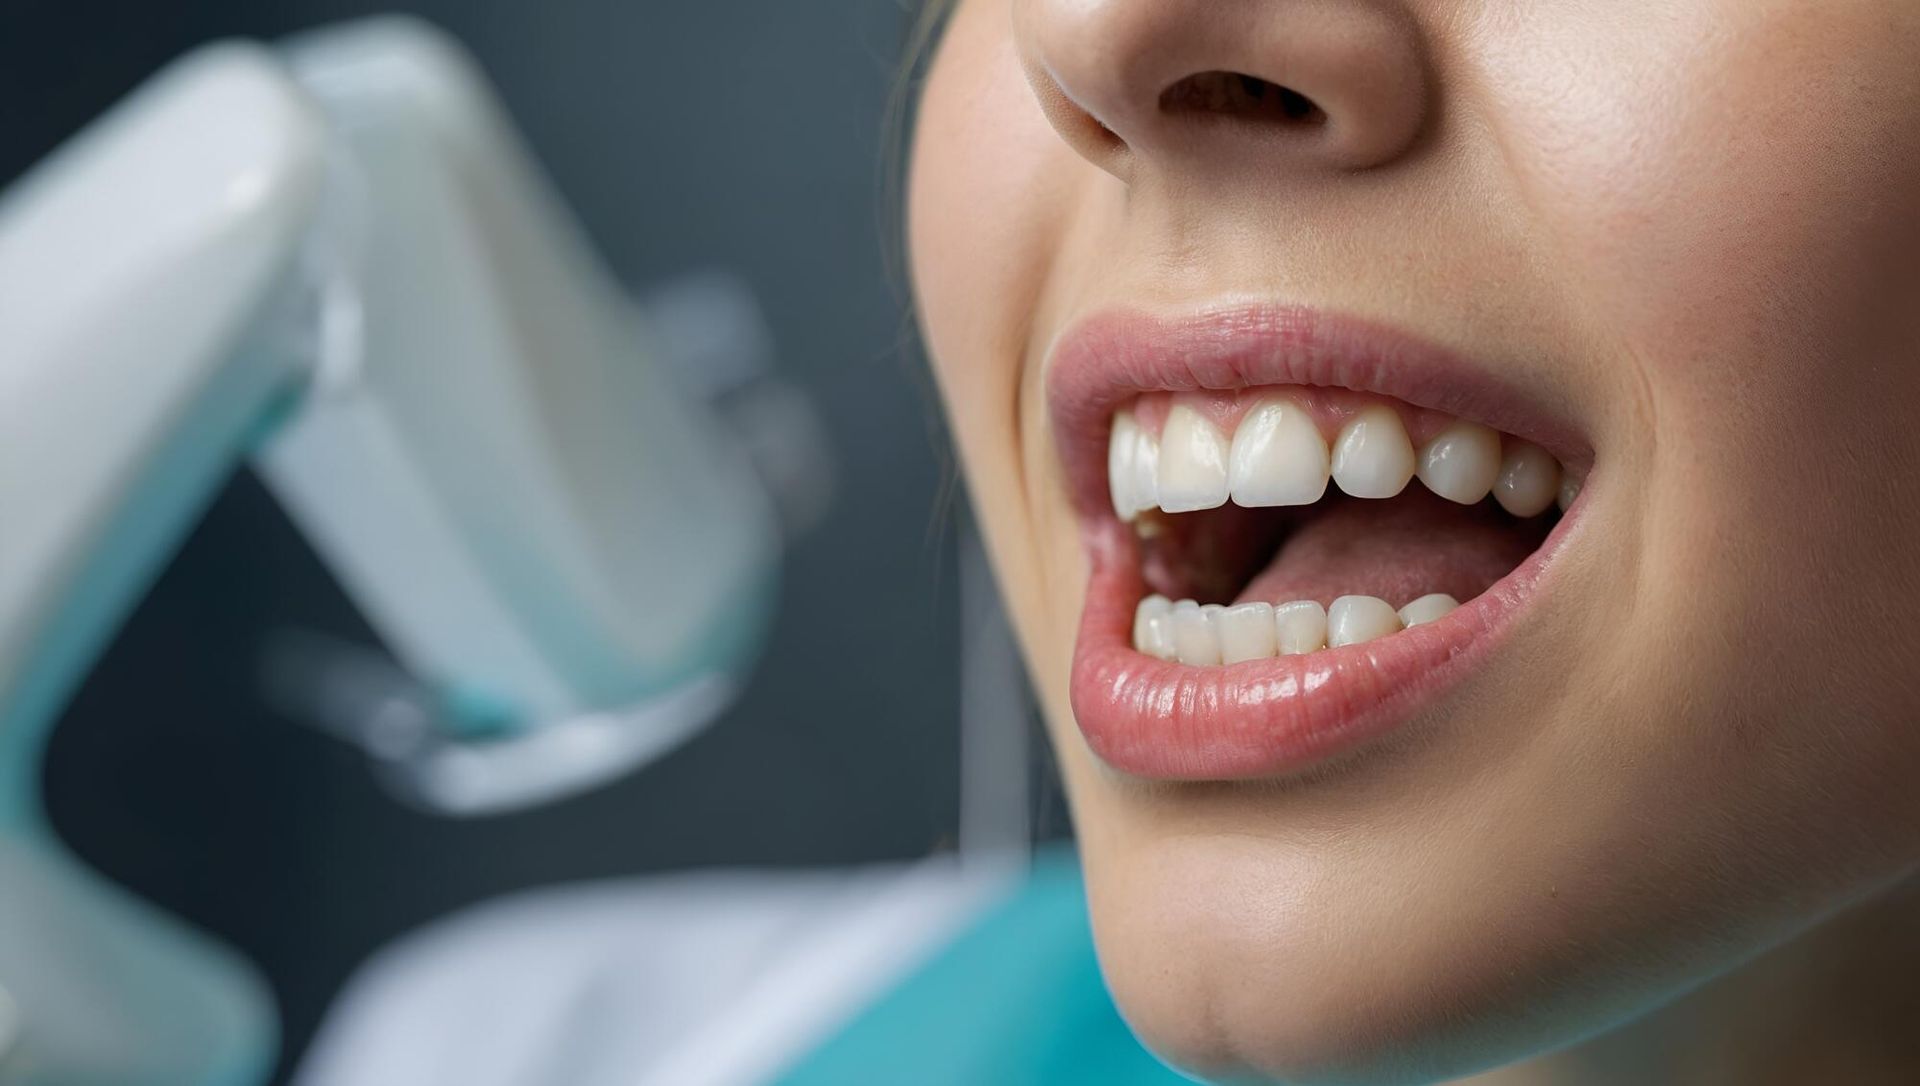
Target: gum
{"type": "Point", "coordinates": [1330, 408]}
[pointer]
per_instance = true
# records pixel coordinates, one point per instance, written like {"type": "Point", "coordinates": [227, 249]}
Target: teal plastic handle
{"type": "Point", "coordinates": [111, 992]}
{"type": "Point", "coordinates": [108, 991]}
{"type": "Point", "coordinates": [143, 384]}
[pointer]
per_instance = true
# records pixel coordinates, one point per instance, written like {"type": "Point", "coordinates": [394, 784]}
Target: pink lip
{"type": "Point", "coordinates": [1151, 718]}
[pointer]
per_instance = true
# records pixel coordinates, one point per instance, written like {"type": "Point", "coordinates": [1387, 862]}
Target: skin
{"type": "Point", "coordinates": [1666, 832]}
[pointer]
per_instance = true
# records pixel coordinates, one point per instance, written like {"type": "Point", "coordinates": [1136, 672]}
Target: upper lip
{"type": "Point", "coordinates": [1107, 359]}
{"type": "Point", "coordinates": [1151, 718]}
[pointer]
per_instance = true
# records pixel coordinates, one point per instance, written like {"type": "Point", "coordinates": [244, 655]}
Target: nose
{"type": "Point", "coordinates": [1299, 84]}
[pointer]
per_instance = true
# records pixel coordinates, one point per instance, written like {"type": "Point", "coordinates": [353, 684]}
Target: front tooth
{"type": "Point", "coordinates": [1146, 470]}
{"type": "Point", "coordinates": [1152, 627]}
{"type": "Point", "coordinates": [1246, 632]}
{"type": "Point", "coordinates": [1193, 462]}
{"type": "Point", "coordinates": [1372, 457]}
{"type": "Point", "coordinates": [1461, 463]}
{"type": "Point", "coordinates": [1301, 627]}
{"type": "Point", "coordinates": [1353, 619]}
{"type": "Point", "coordinates": [1427, 609]}
{"type": "Point", "coordinates": [1278, 457]}
{"type": "Point", "coordinates": [1160, 637]}
{"type": "Point", "coordinates": [1529, 479]}
{"type": "Point", "coordinates": [1121, 449]}
{"type": "Point", "coordinates": [1212, 613]}
{"type": "Point", "coordinates": [1195, 641]}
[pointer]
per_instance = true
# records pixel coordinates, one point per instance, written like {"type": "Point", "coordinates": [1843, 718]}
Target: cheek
{"type": "Point", "coordinates": [988, 201]}
{"type": "Point", "coordinates": [1729, 194]}
{"type": "Point", "coordinates": [983, 211]}
{"type": "Point", "coordinates": [1727, 187]}
{"type": "Point", "coordinates": [1735, 215]}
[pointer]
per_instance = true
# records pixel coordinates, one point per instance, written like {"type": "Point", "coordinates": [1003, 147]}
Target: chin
{"type": "Point", "coordinates": [1237, 977]}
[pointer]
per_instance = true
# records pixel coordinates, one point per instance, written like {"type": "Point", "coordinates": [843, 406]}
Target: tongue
{"type": "Point", "coordinates": [1399, 550]}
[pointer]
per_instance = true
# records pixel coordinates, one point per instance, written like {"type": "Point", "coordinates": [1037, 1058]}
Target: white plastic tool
{"type": "Point", "coordinates": [335, 257]}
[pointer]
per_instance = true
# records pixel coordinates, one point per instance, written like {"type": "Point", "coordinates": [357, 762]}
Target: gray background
{"type": "Point", "coordinates": [740, 136]}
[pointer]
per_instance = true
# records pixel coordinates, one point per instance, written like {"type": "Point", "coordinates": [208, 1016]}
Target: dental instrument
{"type": "Point", "coordinates": [333, 259]}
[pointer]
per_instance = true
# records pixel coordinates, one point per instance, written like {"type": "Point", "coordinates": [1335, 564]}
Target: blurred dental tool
{"type": "Point", "coordinates": [336, 258]}
{"type": "Point", "coordinates": [9, 1024]}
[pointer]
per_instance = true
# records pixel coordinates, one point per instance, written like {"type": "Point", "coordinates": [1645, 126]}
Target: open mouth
{"type": "Point", "coordinates": [1303, 530]}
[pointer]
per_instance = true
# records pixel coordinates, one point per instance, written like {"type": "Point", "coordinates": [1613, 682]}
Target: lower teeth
{"type": "Point", "coordinates": [1191, 633]}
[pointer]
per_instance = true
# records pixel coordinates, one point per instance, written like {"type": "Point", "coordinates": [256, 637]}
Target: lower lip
{"type": "Point", "coordinates": [1264, 718]}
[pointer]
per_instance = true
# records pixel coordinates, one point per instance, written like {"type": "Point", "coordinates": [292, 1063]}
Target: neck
{"type": "Point", "coordinates": [1836, 1005]}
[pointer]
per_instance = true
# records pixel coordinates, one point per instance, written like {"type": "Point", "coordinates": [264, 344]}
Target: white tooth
{"type": "Point", "coordinates": [1372, 457]}
{"type": "Point", "coordinates": [1529, 479]}
{"type": "Point", "coordinates": [1160, 637]}
{"type": "Point", "coordinates": [1212, 613]}
{"type": "Point", "coordinates": [1193, 462]}
{"type": "Point", "coordinates": [1353, 619]}
{"type": "Point", "coordinates": [1145, 637]}
{"type": "Point", "coordinates": [1247, 632]}
{"type": "Point", "coordinates": [1194, 639]}
{"type": "Point", "coordinates": [1146, 471]}
{"type": "Point", "coordinates": [1462, 461]}
{"type": "Point", "coordinates": [1569, 490]}
{"type": "Point", "coordinates": [1121, 447]}
{"type": "Point", "coordinates": [1278, 457]}
{"type": "Point", "coordinates": [1427, 608]}
{"type": "Point", "coordinates": [1301, 626]}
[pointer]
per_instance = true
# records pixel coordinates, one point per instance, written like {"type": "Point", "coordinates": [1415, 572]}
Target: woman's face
{"type": "Point", "coordinates": [1664, 253]}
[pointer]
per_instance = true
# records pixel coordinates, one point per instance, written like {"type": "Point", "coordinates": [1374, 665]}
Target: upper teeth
{"type": "Point", "coordinates": [1193, 463]}
{"type": "Point", "coordinates": [1529, 479]}
{"type": "Point", "coordinates": [1372, 457]}
{"type": "Point", "coordinates": [1461, 462]}
{"type": "Point", "coordinates": [1277, 455]}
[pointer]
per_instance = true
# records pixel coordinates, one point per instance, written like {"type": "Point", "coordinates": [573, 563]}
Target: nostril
{"type": "Point", "coordinates": [1298, 107]}
{"type": "Point", "coordinates": [1241, 97]}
